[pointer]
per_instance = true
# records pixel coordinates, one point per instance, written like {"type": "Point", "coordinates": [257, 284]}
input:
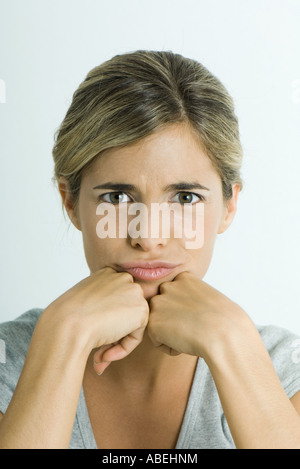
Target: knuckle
{"type": "Point", "coordinates": [164, 287]}
{"type": "Point", "coordinates": [153, 322]}
{"type": "Point", "coordinates": [150, 329]}
{"type": "Point", "coordinates": [154, 300]}
{"type": "Point", "coordinates": [182, 276]}
{"type": "Point", "coordinates": [105, 270]}
{"type": "Point", "coordinates": [144, 320]}
{"type": "Point", "coordinates": [136, 289]}
{"type": "Point", "coordinates": [153, 333]}
{"type": "Point", "coordinates": [126, 276]}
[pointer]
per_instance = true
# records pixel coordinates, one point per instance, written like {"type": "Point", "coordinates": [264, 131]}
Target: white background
{"type": "Point", "coordinates": [46, 49]}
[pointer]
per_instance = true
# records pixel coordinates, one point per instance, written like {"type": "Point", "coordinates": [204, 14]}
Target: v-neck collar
{"type": "Point", "coordinates": [189, 419]}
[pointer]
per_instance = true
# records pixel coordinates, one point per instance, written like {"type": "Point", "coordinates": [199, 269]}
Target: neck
{"type": "Point", "coordinates": [146, 366]}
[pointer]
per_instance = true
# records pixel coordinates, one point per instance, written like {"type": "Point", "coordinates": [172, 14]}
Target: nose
{"type": "Point", "coordinates": [148, 244]}
{"type": "Point", "coordinates": [146, 230]}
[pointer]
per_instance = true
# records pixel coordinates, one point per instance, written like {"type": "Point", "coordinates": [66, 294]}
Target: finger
{"type": "Point", "coordinates": [116, 351]}
{"type": "Point", "coordinates": [99, 363]}
{"type": "Point", "coordinates": [100, 367]}
{"type": "Point", "coordinates": [98, 355]}
{"type": "Point", "coordinates": [124, 347]}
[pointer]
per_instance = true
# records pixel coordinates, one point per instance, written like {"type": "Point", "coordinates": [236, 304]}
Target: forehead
{"type": "Point", "coordinates": [171, 153]}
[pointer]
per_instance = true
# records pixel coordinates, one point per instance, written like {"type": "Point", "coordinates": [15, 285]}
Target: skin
{"type": "Point", "coordinates": [157, 161]}
{"type": "Point", "coordinates": [129, 330]}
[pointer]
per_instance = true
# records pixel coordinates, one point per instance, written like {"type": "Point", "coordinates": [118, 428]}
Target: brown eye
{"type": "Point", "coordinates": [187, 198]}
{"type": "Point", "coordinates": [115, 197]}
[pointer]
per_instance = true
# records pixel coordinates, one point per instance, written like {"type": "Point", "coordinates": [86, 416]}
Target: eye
{"type": "Point", "coordinates": [114, 197]}
{"type": "Point", "coordinates": [188, 198]}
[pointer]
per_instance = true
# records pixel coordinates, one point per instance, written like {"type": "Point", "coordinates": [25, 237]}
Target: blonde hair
{"type": "Point", "coordinates": [132, 95]}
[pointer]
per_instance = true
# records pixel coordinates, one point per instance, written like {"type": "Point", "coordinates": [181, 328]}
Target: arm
{"type": "Point", "coordinates": [42, 410]}
{"type": "Point", "coordinates": [92, 314]}
{"type": "Point", "coordinates": [191, 317]}
{"type": "Point", "coordinates": [258, 411]}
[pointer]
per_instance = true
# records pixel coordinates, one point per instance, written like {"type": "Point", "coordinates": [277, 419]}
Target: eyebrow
{"type": "Point", "coordinates": [180, 186]}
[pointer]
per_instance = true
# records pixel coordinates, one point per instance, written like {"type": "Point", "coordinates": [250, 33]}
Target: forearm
{"type": "Point", "coordinates": [258, 411]}
{"type": "Point", "coordinates": [42, 411]}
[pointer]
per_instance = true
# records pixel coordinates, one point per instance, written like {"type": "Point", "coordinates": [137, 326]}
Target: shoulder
{"type": "Point", "coordinates": [284, 349]}
{"type": "Point", "coordinates": [280, 340]}
{"type": "Point", "coordinates": [15, 337]}
{"type": "Point", "coordinates": [17, 333]}
{"type": "Point", "coordinates": [30, 317]}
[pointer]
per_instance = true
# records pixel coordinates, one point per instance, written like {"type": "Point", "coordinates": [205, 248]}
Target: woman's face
{"type": "Point", "coordinates": [165, 168]}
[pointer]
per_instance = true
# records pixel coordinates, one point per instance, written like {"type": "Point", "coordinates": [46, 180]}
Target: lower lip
{"type": "Point", "coordinates": [149, 274]}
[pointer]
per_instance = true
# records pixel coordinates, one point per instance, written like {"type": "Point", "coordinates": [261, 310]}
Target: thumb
{"type": "Point", "coordinates": [99, 363]}
{"type": "Point", "coordinates": [112, 352]}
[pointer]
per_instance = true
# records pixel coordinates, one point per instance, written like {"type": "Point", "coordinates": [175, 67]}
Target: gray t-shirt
{"type": "Point", "coordinates": [204, 425]}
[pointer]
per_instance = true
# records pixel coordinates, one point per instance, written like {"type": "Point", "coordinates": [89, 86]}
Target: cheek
{"type": "Point", "coordinates": [201, 258]}
{"type": "Point", "coordinates": [213, 215]}
{"type": "Point", "coordinates": [97, 250]}
{"type": "Point", "coordinates": [203, 226]}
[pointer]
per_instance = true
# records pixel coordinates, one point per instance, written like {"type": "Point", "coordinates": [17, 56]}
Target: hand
{"type": "Point", "coordinates": [189, 316]}
{"type": "Point", "coordinates": [108, 310]}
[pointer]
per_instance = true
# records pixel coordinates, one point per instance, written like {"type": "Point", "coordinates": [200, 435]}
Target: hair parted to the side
{"type": "Point", "coordinates": [130, 96]}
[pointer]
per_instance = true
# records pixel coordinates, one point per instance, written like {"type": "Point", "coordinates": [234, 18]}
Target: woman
{"type": "Point", "coordinates": [143, 353]}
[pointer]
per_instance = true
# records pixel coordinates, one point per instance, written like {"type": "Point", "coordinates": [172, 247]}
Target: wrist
{"type": "Point", "coordinates": [233, 336]}
{"type": "Point", "coordinates": [60, 333]}
{"type": "Point", "coordinates": [250, 392]}
{"type": "Point", "coordinates": [47, 393]}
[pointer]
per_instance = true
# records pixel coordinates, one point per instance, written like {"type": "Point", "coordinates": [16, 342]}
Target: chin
{"type": "Point", "coordinates": [149, 290]}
